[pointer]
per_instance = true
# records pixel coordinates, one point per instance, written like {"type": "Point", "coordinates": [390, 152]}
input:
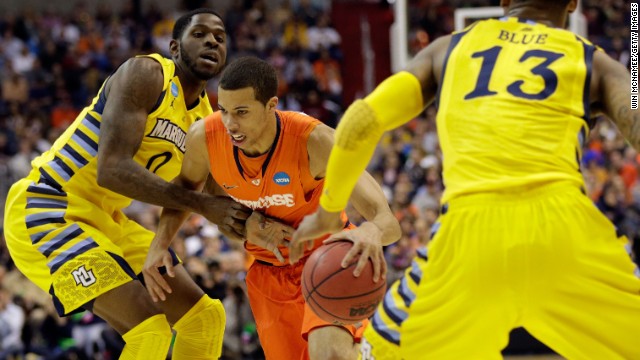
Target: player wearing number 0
{"type": "Point", "coordinates": [64, 225]}
{"type": "Point", "coordinates": [517, 243]}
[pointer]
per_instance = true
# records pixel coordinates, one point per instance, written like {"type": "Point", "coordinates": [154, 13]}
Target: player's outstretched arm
{"type": "Point", "coordinates": [320, 222]}
{"type": "Point", "coordinates": [133, 92]}
{"type": "Point", "coordinates": [221, 210]}
{"type": "Point", "coordinates": [394, 102]}
{"type": "Point", "coordinates": [193, 175]}
{"type": "Point", "coordinates": [369, 200]}
{"type": "Point", "coordinates": [397, 100]}
{"type": "Point", "coordinates": [381, 226]}
{"type": "Point", "coordinates": [234, 227]}
{"type": "Point", "coordinates": [610, 86]}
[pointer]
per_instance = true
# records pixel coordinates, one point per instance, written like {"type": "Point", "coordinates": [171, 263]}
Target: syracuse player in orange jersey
{"type": "Point", "coordinates": [274, 163]}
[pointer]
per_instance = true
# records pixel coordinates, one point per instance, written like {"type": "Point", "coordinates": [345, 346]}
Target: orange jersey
{"type": "Point", "coordinates": [279, 183]}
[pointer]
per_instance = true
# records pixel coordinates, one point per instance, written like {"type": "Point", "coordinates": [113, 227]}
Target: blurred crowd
{"type": "Point", "coordinates": [53, 63]}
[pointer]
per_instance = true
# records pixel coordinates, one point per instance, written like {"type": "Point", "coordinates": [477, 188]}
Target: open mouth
{"type": "Point", "coordinates": [211, 59]}
{"type": "Point", "coordinates": [238, 139]}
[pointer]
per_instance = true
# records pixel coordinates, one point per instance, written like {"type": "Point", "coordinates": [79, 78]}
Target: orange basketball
{"type": "Point", "coordinates": [332, 291]}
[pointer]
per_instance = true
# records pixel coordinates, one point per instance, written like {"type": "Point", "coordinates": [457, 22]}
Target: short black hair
{"type": "Point", "coordinates": [184, 21]}
{"type": "Point", "coordinates": [252, 72]}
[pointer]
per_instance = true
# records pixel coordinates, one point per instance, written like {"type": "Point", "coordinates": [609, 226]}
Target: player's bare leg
{"type": "Point", "coordinates": [332, 342]}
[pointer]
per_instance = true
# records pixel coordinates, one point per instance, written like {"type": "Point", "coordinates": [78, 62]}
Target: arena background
{"type": "Point", "coordinates": [55, 54]}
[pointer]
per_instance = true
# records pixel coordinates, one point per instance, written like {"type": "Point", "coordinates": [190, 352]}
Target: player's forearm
{"type": "Point", "coordinates": [170, 222]}
{"type": "Point", "coordinates": [134, 181]}
{"type": "Point", "coordinates": [388, 224]}
{"type": "Point", "coordinates": [347, 161]}
{"type": "Point", "coordinates": [394, 102]}
{"type": "Point", "coordinates": [627, 120]}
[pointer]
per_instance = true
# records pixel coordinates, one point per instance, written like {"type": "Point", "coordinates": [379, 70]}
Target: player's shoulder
{"type": "Point", "coordinates": [156, 58]}
{"type": "Point", "coordinates": [320, 136]}
{"type": "Point", "coordinates": [295, 116]}
{"type": "Point", "coordinates": [437, 48]}
{"type": "Point", "coordinates": [143, 67]}
{"type": "Point", "coordinates": [198, 126]}
{"type": "Point", "coordinates": [297, 123]}
{"type": "Point", "coordinates": [215, 116]}
{"type": "Point", "coordinates": [588, 44]}
{"type": "Point", "coordinates": [137, 83]}
{"type": "Point", "coordinates": [139, 76]}
{"type": "Point", "coordinates": [212, 121]}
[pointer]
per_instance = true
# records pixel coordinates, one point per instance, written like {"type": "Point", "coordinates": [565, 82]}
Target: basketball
{"type": "Point", "coordinates": [332, 291]}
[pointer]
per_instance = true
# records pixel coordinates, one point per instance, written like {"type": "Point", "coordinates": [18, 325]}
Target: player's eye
{"type": "Point", "coordinates": [220, 39]}
{"type": "Point", "coordinates": [242, 112]}
{"type": "Point", "coordinates": [198, 34]}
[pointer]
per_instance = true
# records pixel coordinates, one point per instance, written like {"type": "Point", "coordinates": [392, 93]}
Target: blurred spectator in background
{"type": "Point", "coordinates": [241, 337]}
{"type": "Point", "coordinates": [11, 322]}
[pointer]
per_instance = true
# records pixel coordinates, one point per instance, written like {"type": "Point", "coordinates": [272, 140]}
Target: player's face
{"type": "Point", "coordinates": [203, 46]}
{"type": "Point", "coordinates": [247, 120]}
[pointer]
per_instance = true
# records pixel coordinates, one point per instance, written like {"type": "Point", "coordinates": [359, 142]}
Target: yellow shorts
{"type": "Point", "coordinates": [545, 259]}
{"type": "Point", "coordinates": [68, 246]}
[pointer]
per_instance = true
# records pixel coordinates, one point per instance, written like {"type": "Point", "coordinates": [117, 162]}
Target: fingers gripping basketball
{"type": "Point", "coordinates": [332, 291]}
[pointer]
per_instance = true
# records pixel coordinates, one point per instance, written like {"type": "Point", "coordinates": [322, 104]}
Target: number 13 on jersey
{"type": "Point", "coordinates": [537, 61]}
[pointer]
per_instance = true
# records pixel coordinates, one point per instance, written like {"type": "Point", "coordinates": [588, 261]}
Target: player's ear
{"type": "Point", "coordinates": [173, 48]}
{"type": "Point", "coordinates": [272, 104]}
{"type": "Point", "coordinates": [573, 5]}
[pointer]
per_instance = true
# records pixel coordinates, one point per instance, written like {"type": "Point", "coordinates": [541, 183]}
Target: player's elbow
{"type": "Point", "coordinates": [394, 232]}
{"type": "Point", "coordinates": [104, 179]}
{"type": "Point", "coordinates": [359, 125]}
{"type": "Point", "coordinates": [106, 176]}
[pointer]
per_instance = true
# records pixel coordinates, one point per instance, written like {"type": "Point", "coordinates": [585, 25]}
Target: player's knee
{"type": "Point", "coordinates": [199, 332]}
{"type": "Point", "coordinates": [148, 340]}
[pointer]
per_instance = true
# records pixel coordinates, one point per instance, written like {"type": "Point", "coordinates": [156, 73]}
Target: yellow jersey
{"type": "Point", "coordinates": [513, 106]}
{"type": "Point", "coordinates": [71, 164]}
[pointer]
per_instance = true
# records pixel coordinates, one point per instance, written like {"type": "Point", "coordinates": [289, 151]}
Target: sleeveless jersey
{"type": "Point", "coordinates": [278, 184]}
{"type": "Point", "coordinates": [71, 164]}
{"type": "Point", "coordinates": [513, 106]}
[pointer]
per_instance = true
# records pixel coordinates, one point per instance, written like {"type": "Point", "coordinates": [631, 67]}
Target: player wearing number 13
{"type": "Point", "coordinates": [65, 227]}
{"type": "Point", "coordinates": [517, 243]}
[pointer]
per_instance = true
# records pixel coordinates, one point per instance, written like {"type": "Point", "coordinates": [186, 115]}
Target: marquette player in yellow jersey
{"type": "Point", "coordinates": [517, 243]}
{"type": "Point", "coordinates": [65, 228]}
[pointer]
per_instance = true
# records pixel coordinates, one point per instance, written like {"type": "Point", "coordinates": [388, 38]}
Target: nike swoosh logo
{"type": "Point", "coordinates": [229, 187]}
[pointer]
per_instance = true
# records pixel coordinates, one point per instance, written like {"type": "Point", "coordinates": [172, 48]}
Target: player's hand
{"type": "Point", "coordinates": [312, 227]}
{"type": "Point", "coordinates": [268, 233]}
{"type": "Point", "coordinates": [154, 281]}
{"type": "Point", "coordinates": [229, 215]}
{"type": "Point", "coordinates": [367, 245]}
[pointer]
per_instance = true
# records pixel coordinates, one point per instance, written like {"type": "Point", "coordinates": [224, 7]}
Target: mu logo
{"type": "Point", "coordinates": [83, 276]}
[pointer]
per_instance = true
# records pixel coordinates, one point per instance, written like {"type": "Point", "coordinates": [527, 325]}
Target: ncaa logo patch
{"type": "Point", "coordinates": [174, 89]}
{"type": "Point", "coordinates": [281, 178]}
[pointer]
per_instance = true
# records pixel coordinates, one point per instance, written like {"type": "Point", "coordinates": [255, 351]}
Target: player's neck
{"type": "Point", "coordinates": [191, 85]}
{"type": "Point", "coordinates": [264, 143]}
{"type": "Point", "coordinates": [543, 16]}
